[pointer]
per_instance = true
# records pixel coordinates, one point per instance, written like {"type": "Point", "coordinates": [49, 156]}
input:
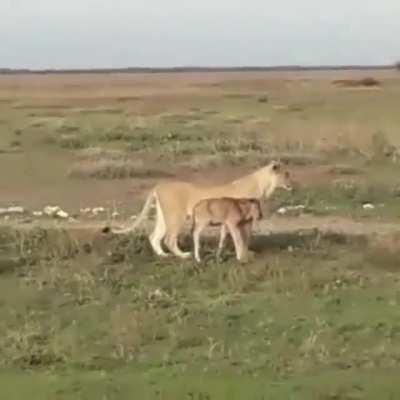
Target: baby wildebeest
{"type": "Point", "coordinates": [235, 216]}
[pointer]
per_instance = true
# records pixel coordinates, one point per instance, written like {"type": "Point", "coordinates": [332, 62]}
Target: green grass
{"type": "Point", "coordinates": [317, 321]}
{"type": "Point", "coordinates": [346, 194]}
{"type": "Point", "coordinates": [310, 318]}
{"type": "Point", "coordinates": [131, 383]}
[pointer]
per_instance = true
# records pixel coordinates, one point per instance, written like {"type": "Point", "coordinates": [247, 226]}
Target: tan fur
{"type": "Point", "coordinates": [235, 216]}
{"type": "Point", "coordinates": [175, 202]}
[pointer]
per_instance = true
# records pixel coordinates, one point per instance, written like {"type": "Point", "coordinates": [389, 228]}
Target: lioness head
{"type": "Point", "coordinates": [283, 178]}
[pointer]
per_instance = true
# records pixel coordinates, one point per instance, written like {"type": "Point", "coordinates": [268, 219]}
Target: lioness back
{"type": "Point", "coordinates": [181, 197]}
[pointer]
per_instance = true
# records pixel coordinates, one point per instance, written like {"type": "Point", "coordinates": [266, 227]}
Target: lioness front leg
{"type": "Point", "coordinates": [174, 225]}
{"type": "Point", "coordinates": [158, 234]}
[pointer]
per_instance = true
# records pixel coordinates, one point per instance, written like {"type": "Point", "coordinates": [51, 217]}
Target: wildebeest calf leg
{"type": "Point", "coordinates": [197, 228]}
{"type": "Point", "coordinates": [245, 231]}
{"type": "Point", "coordinates": [222, 238]}
{"type": "Point", "coordinates": [237, 240]}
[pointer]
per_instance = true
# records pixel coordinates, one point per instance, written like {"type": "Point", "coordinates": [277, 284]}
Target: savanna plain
{"type": "Point", "coordinates": [315, 312]}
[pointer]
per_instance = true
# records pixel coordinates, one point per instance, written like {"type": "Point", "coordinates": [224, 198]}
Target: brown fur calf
{"type": "Point", "coordinates": [235, 216]}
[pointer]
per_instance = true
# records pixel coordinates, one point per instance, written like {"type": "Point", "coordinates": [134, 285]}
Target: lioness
{"type": "Point", "coordinates": [175, 201]}
{"type": "Point", "coordinates": [234, 215]}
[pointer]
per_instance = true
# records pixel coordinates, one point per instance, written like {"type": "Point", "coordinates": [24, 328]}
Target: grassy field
{"type": "Point", "coordinates": [317, 321]}
{"type": "Point", "coordinates": [79, 140]}
{"type": "Point", "coordinates": [312, 316]}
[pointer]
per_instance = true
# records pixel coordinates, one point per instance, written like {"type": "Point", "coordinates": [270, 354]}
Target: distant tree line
{"type": "Point", "coordinates": [195, 69]}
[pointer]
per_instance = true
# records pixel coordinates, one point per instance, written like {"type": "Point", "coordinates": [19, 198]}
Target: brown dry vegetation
{"type": "Point", "coordinates": [181, 123]}
{"type": "Point", "coordinates": [364, 82]}
{"type": "Point", "coordinates": [313, 316]}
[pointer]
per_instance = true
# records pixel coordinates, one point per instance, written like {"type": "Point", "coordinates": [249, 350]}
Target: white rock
{"type": "Point", "coordinates": [55, 211]}
{"type": "Point", "coordinates": [284, 210]}
{"type": "Point", "coordinates": [61, 214]}
{"type": "Point", "coordinates": [6, 217]}
{"type": "Point", "coordinates": [133, 217]}
{"type": "Point", "coordinates": [330, 208]}
{"type": "Point", "coordinates": [16, 210]}
{"type": "Point", "coordinates": [115, 214]}
{"type": "Point", "coordinates": [368, 206]}
{"type": "Point", "coordinates": [51, 210]}
{"type": "Point", "coordinates": [12, 210]}
{"type": "Point", "coordinates": [298, 207]}
{"type": "Point", "coordinates": [86, 210]}
{"type": "Point", "coordinates": [157, 293]}
{"type": "Point", "coordinates": [37, 213]}
{"type": "Point", "coordinates": [97, 210]}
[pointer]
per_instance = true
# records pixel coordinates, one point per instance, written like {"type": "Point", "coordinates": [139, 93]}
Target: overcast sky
{"type": "Point", "coordinates": [160, 33]}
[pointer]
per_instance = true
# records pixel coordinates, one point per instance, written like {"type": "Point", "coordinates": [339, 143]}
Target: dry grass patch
{"type": "Point", "coordinates": [71, 141]}
{"type": "Point", "coordinates": [107, 169]}
{"type": "Point", "coordinates": [113, 168]}
{"type": "Point", "coordinates": [356, 83]}
{"type": "Point", "coordinates": [98, 153]}
{"type": "Point", "coordinates": [99, 163]}
{"type": "Point", "coordinates": [344, 169]}
{"type": "Point", "coordinates": [250, 158]}
{"type": "Point", "coordinates": [384, 251]}
{"type": "Point", "coordinates": [99, 110]}
{"type": "Point", "coordinates": [203, 162]}
{"type": "Point", "coordinates": [298, 158]}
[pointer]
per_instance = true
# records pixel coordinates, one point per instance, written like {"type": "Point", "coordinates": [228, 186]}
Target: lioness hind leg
{"type": "Point", "coordinates": [175, 223]}
{"type": "Point", "coordinates": [171, 241]}
{"type": "Point", "coordinates": [158, 233]}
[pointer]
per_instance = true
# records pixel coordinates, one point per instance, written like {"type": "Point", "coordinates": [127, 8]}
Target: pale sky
{"type": "Point", "coordinates": [163, 33]}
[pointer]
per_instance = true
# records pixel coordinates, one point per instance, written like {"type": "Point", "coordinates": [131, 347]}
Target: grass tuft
{"type": "Point", "coordinates": [107, 169]}
{"type": "Point", "coordinates": [353, 83]}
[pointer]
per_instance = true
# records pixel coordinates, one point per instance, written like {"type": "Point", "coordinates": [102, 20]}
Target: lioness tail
{"type": "Point", "coordinates": [143, 214]}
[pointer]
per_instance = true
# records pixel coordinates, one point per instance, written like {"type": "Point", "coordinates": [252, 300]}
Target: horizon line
{"type": "Point", "coordinates": [177, 69]}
